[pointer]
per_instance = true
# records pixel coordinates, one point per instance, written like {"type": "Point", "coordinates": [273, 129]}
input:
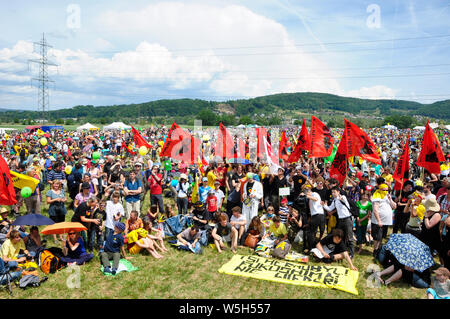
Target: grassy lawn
{"type": "Point", "coordinates": [183, 275]}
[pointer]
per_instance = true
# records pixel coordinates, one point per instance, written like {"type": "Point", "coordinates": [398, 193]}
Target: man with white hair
{"type": "Point", "coordinates": [252, 194]}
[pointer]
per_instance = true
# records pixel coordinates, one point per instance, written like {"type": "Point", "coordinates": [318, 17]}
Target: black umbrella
{"type": "Point", "coordinates": [33, 220]}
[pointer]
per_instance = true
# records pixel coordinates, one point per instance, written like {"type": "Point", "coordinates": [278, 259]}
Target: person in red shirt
{"type": "Point", "coordinates": [211, 204]}
{"type": "Point", "coordinates": [155, 183]}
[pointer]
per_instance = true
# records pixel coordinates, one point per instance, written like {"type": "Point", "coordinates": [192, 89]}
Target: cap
{"type": "Point", "coordinates": [216, 183]}
{"type": "Point", "coordinates": [365, 174]}
{"type": "Point", "coordinates": [3, 210]}
{"type": "Point", "coordinates": [120, 226]}
{"type": "Point", "coordinates": [85, 185]}
{"type": "Point", "coordinates": [372, 169]}
{"type": "Point", "coordinates": [284, 200]}
{"type": "Point", "coordinates": [205, 179]}
{"type": "Point", "coordinates": [183, 176]}
{"type": "Point", "coordinates": [298, 167]}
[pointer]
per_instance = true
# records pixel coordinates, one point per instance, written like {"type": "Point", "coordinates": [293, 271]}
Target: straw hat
{"type": "Point", "coordinates": [431, 204]}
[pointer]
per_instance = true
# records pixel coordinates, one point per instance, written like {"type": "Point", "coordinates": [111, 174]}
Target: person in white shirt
{"type": "Point", "coordinates": [317, 215]}
{"type": "Point", "coordinates": [219, 194]}
{"type": "Point", "coordinates": [345, 221]}
{"type": "Point", "coordinates": [383, 207]}
{"type": "Point", "coordinates": [182, 194]}
{"type": "Point", "coordinates": [114, 212]}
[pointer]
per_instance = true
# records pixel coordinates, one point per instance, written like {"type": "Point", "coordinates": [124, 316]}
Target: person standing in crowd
{"type": "Point", "coordinates": [383, 206]}
{"type": "Point", "coordinates": [183, 189]}
{"type": "Point", "coordinates": [155, 182]}
{"type": "Point", "coordinates": [132, 190]}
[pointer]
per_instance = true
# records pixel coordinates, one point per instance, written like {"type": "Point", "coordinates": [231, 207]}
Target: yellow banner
{"type": "Point", "coordinates": [20, 181]}
{"type": "Point", "coordinates": [321, 276]}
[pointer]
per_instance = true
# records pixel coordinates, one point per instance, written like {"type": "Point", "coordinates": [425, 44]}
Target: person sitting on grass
{"type": "Point", "coordinates": [440, 284]}
{"type": "Point", "coordinates": [157, 237]}
{"type": "Point", "coordinates": [332, 248]}
{"type": "Point", "coordinates": [238, 221]}
{"type": "Point", "coordinates": [12, 248]}
{"type": "Point", "coordinates": [133, 223]}
{"type": "Point", "coordinates": [74, 251]}
{"type": "Point", "coordinates": [223, 233]}
{"type": "Point", "coordinates": [190, 239]}
{"type": "Point", "coordinates": [114, 245]}
{"type": "Point", "coordinates": [138, 239]}
{"type": "Point", "coordinates": [278, 230]}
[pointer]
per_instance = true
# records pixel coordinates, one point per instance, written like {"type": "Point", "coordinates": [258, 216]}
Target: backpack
{"type": "Point", "coordinates": [354, 209]}
{"type": "Point", "coordinates": [49, 262]}
{"type": "Point", "coordinates": [282, 249]}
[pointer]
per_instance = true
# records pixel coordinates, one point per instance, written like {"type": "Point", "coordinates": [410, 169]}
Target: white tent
{"type": "Point", "coordinates": [116, 126]}
{"type": "Point", "coordinates": [390, 127]}
{"type": "Point", "coordinates": [4, 129]}
{"type": "Point", "coordinates": [240, 126]}
{"type": "Point", "coordinates": [434, 125]}
{"type": "Point", "coordinates": [87, 126]}
{"type": "Point", "coordinates": [419, 128]}
{"type": "Point", "coordinates": [447, 127]}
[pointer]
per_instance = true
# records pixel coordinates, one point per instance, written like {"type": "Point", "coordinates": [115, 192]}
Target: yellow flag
{"type": "Point", "coordinates": [20, 181]}
{"type": "Point", "coordinates": [194, 196]}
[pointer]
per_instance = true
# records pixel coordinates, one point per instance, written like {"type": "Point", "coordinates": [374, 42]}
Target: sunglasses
{"type": "Point", "coordinates": [72, 233]}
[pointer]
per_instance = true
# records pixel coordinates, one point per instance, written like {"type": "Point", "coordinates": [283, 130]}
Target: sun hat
{"type": "Point", "coordinates": [431, 204]}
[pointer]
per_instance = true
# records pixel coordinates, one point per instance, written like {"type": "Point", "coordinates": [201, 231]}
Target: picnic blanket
{"type": "Point", "coordinates": [124, 265]}
{"type": "Point", "coordinates": [321, 276]}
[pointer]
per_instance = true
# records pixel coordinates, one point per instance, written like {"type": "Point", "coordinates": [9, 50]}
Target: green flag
{"type": "Point", "coordinates": [330, 158]}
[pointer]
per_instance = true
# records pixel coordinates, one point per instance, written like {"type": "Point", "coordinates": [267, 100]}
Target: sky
{"type": "Point", "coordinates": [120, 52]}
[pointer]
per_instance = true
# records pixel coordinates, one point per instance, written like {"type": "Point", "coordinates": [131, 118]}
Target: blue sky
{"type": "Point", "coordinates": [116, 52]}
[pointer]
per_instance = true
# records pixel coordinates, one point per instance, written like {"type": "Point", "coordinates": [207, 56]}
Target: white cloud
{"type": "Point", "coordinates": [185, 47]}
{"type": "Point", "coordinates": [373, 92]}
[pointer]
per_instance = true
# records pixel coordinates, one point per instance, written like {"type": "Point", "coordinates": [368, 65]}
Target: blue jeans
{"type": "Point", "coordinates": [14, 274]}
{"type": "Point", "coordinates": [418, 282]}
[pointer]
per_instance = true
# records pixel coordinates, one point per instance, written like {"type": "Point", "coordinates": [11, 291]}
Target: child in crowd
{"type": "Point", "coordinates": [440, 284]}
{"type": "Point", "coordinates": [284, 210]}
{"type": "Point", "coordinates": [238, 221]}
{"type": "Point", "coordinates": [114, 245]}
{"type": "Point", "coordinates": [365, 212]}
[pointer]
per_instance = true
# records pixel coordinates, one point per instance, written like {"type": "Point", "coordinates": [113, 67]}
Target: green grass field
{"type": "Point", "coordinates": [183, 275]}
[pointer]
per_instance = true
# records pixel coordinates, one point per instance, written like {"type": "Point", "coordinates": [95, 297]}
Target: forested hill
{"type": "Point", "coordinates": [317, 102]}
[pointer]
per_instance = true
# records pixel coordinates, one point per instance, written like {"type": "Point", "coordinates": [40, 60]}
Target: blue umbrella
{"type": "Point", "coordinates": [33, 220]}
{"type": "Point", "coordinates": [410, 251]}
{"type": "Point", "coordinates": [239, 161]}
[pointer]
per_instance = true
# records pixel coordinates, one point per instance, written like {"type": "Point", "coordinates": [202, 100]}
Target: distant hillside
{"type": "Point", "coordinates": [268, 105]}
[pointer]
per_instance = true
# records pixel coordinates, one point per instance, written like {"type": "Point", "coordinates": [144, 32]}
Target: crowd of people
{"type": "Point", "coordinates": [236, 203]}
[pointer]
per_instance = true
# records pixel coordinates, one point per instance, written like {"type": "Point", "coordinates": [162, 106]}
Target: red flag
{"type": "Point", "coordinates": [138, 139]}
{"type": "Point", "coordinates": [7, 192]}
{"type": "Point", "coordinates": [401, 173]}
{"type": "Point", "coordinates": [127, 148]}
{"type": "Point", "coordinates": [187, 149]}
{"type": "Point", "coordinates": [225, 144]}
{"type": "Point", "coordinates": [303, 143]}
{"type": "Point", "coordinates": [239, 148]}
{"type": "Point", "coordinates": [260, 133]}
{"type": "Point", "coordinates": [175, 136]}
{"type": "Point", "coordinates": [339, 167]}
{"type": "Point", "coordinates": [284, 145]}
{"type": "Point", "coordinates": [360, 144]}
{"type": "Point", "coordinates": [321, 139]}
{"type": "Point", "coordinates": [431, 154]}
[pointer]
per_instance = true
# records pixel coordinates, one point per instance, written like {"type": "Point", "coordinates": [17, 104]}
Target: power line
{"type": "Point", "coordinates": [284, 46]}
